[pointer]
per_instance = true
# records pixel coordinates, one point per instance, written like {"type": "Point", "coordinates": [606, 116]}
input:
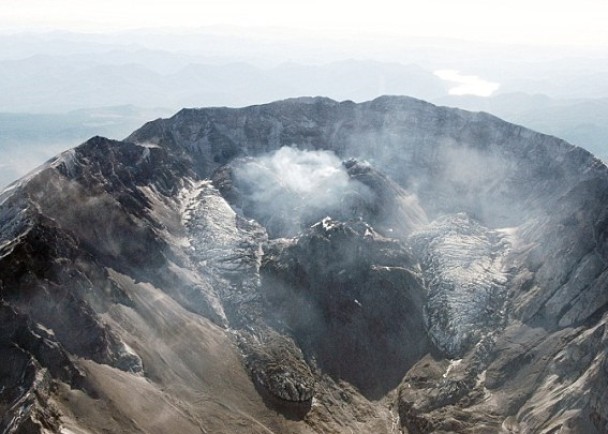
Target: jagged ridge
{"type": "Point", "coordinates": [158, 287]}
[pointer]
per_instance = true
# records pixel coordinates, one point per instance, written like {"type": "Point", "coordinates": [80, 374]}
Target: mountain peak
{"type": "Point", "coordinates": [308, 266]}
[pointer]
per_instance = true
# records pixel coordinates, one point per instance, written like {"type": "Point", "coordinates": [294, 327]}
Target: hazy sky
{"type": "Point", "coordinates": [580, 22]}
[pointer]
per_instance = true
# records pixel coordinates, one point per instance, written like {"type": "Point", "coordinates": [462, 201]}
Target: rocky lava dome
{"type": "Point", "coordinates": [308, 266]}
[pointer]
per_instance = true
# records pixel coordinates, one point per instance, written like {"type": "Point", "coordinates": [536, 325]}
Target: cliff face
{"type": "Point", "coordinates": [308, 266]}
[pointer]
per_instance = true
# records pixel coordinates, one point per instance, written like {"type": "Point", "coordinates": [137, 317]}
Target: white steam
{"type": "Point", "coordinates": [314, 177]}
{"type": "Point", "coordinates": [290, 188]}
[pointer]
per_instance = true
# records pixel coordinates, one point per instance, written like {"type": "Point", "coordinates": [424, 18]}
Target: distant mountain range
{"type": "Point", "coordinates": [42, 84]}
{"type": "Point", "coordinates": [46, 80]}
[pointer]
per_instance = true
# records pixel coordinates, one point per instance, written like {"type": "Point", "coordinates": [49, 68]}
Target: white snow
{"type": "Point", "coordinates": [49, 331]}
{"type": "Point", "coordinates": [453, 364]}
{"type": "Point", "coordinates": [328, 224]}
{"type": "Point", "coordinates": [465, 270]}
{"type": "Point", "coordinates": [188, 198]}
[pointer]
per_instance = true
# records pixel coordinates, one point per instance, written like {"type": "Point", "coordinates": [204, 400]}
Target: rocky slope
{"type": "Point", "coordinates": [308, 266]}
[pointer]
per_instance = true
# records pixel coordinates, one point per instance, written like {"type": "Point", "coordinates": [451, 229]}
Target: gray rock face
{"type": "Point", "coordinates": [352, 300]}
{"type": "Point", "coordinates": [439, 271]}
{"type": "Point", "coordinates": [277, 366]}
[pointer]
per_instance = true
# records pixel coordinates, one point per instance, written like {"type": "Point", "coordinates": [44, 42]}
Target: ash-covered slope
{"type": "Point", "coordinates": [308, 266]}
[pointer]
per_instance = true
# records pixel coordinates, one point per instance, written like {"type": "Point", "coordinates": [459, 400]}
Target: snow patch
{"type": "Point", "coordinates": [327, 223]}
{"type": "Point", "coordinates": [466, 274]}
{"type": "Point", "coordinates": [453, 364]}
